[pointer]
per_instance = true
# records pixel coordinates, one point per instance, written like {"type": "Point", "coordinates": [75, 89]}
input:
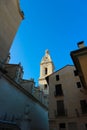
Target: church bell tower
{"type": "Point", "coordinates": [46, 68]}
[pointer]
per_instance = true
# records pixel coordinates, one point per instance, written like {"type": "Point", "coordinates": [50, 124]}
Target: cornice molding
{"type": "Point", "coordinates": [24, 91]}
{"type": "Point", "coordinates": [20, 12]}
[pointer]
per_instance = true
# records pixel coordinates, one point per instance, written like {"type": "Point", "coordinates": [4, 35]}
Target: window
{"type": "Point", "coordinates": [75, 72]}
{"type": "Point", "coordinates": [78, 84]}
{"type": "Point", "coordinates": [45, 70]}
{"type": "Point", "coordinates": [45, 86]}
{"type": "Point", "coordinates": [58, 90]}
{"type": "Point", "coordinates": [83, 104]}
{"type": "Point", "coordinates": [60, 108]}
{"type": "Point", "coordinates": [62, 126]}
{"type": "Point", "coordinates": [57, 77]}
{"type": "Point", "coordinates": [86, 126]}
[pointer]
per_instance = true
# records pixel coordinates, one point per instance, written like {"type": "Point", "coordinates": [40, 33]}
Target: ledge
{"type": "Point", "coordinates": [20, 12]}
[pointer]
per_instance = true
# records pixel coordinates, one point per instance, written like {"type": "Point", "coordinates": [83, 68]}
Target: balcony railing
{"type": "Point", "coordinates": [77, 113]}
{"type": "Point", "coordinates": [81, 112]}
{"type": "Point", "coordinates": [60, 114]}
{"type": "Point", "coordinates": [57, 94]}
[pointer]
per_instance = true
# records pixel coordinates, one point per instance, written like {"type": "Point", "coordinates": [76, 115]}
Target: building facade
{"type": "Point", "coordinates": [79, 58]}
{"type": "Point", "coordinates": [67, 102]}
{"type": "Point", "coordinates": [10, 19]}
{"type": "Point", "coordinates": [19, 108]}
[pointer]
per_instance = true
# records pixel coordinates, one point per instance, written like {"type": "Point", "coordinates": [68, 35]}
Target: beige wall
{"type": "Point", "coordinates": [49, 66]}
{"type": "Point", "coordinates": [83, 65]}
{"type": "Point", "coordinates": [10, 19]}
{"type": "Point", "coordinates": [28, 85]}
{"type": "Point", "coordinates": [79, 58]}
{"type": "Point", "coordinates": [71, 97]}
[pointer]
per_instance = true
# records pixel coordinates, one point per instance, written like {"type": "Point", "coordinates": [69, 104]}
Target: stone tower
{"type": "Point", "coordinates": [46, 68]}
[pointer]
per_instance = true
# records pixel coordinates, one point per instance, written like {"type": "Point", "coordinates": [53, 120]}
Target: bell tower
{"type": "Point", "coordinates": [46, 68]}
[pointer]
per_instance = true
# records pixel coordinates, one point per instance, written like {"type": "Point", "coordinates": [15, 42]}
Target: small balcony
{"type": "Point", "coordinates": [57, 94]}
{"type": "Point", "coordinates": [60, 114]}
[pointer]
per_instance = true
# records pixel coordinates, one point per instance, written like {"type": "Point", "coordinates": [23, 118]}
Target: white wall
{"type": "Point", "coordinates": [13, 101]}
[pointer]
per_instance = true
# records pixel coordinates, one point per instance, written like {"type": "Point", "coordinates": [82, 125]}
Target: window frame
{"type": "Point", "coordinates": [58, 90]}
{"type": "Point", "coordinates": [57, 78]}
{"type": "Point", "coordinates": [75, 73]}
{"type": "Point", "coordinates": [78, 84]}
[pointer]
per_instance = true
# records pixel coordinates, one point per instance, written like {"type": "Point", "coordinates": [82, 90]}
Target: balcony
{"type": "Point", "coordinates": [57, 94]}
{"type": "Point", "coordinates": [60, 114]}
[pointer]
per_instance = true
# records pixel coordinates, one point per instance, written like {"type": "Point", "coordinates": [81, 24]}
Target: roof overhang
{"type": "Point", "coordinates": [75, 55]}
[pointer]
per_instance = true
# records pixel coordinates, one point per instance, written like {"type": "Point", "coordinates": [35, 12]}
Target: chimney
{"type": "Point", "coordinates": [80, 44]}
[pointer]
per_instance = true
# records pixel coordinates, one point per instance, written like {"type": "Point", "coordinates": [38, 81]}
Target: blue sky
{"type": "Point", "coordinates": [56, 25]}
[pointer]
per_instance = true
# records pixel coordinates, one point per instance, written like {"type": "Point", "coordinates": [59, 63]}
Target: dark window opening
{"type": "Point", "coordinates": [45, 70]}
{"type": "Point", "coordinates": [57, 77]}
{"type": "Point", "coordinates": [83, 104]}
{"type": "Point", "coordinates": [45, 86]}
{"type": "Point", "coordinates": [75, 72]}
{"type": "Point", "coordinates": [62, 125]}
{"type": "Point", "coordinates": [86, 126]}
{"type": "Point", "coordinates": [60, 108]}
{"type": "Point", "coordinates": [58, 90]}
{"type": "Point", "coordinates": [78, 84]}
